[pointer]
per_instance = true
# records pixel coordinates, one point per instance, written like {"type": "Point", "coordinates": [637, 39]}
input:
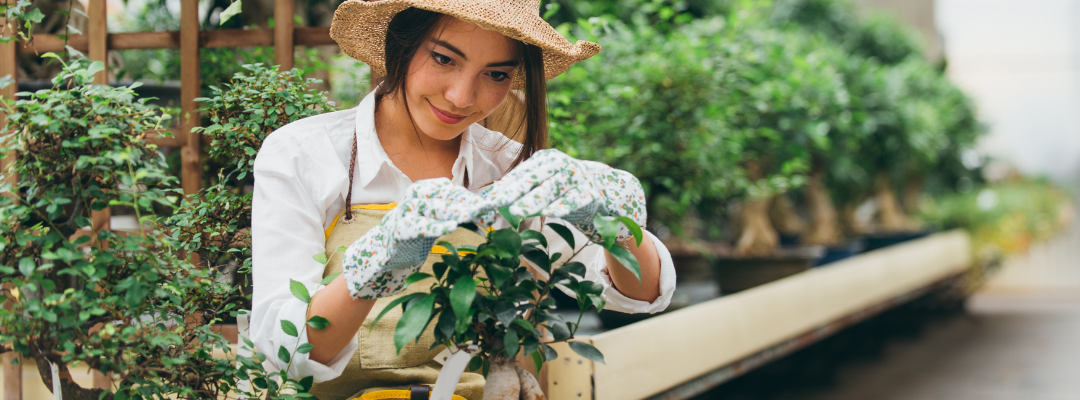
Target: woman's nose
{"type": "Point", "coordinates": [460, 93]}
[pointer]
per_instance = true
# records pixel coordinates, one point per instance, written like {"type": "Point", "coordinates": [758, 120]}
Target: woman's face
{"type": "Point", "coordinates": [458, 77]}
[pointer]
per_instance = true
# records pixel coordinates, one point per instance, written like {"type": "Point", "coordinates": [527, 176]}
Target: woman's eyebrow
{"type": "Point", "coordinates": [510, 63]}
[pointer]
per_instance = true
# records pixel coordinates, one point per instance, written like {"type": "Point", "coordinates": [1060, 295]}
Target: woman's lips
{"type": "Point", "coordinates": [445, 117]}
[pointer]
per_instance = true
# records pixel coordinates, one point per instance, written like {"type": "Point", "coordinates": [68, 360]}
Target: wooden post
{"type": "Point", "coordinates": [12, 384]}
{"type": "Point", "coordinates": [97, 36]}
{"type": "Point", "coordinates": [283, 34]}
{"type": "Point", "coordinates": [191, 174]}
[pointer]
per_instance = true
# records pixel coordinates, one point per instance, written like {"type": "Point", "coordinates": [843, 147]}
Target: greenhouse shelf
{"type": "Point", "coordinates": [686, 352]}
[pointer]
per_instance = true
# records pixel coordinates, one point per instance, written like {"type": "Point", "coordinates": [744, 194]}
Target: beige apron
{"type": "Point", "coordinates": [376, 367]}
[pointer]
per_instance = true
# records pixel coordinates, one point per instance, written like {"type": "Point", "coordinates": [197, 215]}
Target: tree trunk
{"type": "Point", "coordinates": [757, 237]}
{"type": "Point", "coordinates": [913, 186]}
{"type": "Point", "coordinates": [891, 218]}
{"type": "Point", "coordinates": [784, 217]}
{"type": "Point", "coordinates": [850, 221]}
{"type": "Point", "coordinates": [68, 387]}
{"type": "Point", "coordinates": [824, 223]}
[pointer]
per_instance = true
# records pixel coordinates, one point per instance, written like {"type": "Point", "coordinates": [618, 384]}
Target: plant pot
{"type": "Point", "coordinates": [735, 274]}
{"type": "Point", "coordinates": [877, 241]}
{"type": "Point", "coordinates": [834, 254]}
{"type": "Point", "coordinates": [789, 240]}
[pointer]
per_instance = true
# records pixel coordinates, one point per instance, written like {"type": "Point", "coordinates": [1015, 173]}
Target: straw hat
{"type": "Point", "coordinates": [359, 27]}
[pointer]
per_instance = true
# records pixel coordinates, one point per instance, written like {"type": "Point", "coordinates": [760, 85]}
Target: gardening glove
{"type": "Point", "coordinates": [553, 184]}
{"type": "Point", "coordinates": [377, 263]}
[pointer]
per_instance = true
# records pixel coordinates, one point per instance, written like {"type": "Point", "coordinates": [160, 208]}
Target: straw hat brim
{"type": "Point", "coordinates": [359, 27]}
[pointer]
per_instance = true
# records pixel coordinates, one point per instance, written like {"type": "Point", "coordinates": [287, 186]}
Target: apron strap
{"type": "Point", "coordinates": [352, 170]}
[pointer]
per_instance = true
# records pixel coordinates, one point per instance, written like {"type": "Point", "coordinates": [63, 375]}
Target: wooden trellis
{"type": "Point", "coordinates": [97, 42]}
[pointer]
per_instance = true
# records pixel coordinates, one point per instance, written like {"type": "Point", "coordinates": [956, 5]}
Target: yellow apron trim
{"type": "Point", "coordinates": [385, 207]}
{"type": "Point", "coordinates": [393, 395]}
{"type": "Point", "coordinates": [377, 207]}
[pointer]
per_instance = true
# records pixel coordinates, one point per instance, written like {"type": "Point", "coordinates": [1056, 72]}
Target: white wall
{"type": "Point", "coordinates": [1020, 60]}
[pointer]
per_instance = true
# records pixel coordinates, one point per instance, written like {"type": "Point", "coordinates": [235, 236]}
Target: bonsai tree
{"type": "Point", "coordinates": [647, 104]}
{"type": "Point", "coordinates": [782, 98]}
{"type": "Point", "coordinates": [489, 298]}
{"type": "Point", "coordinates": [118, 302]}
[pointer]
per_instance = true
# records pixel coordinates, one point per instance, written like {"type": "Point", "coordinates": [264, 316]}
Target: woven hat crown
{"type": "Point", "coordinates": [360, 26]}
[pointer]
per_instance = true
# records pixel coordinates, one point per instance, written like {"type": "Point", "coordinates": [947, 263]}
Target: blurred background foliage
{"type": "Point", "coordinates": [713, 104]}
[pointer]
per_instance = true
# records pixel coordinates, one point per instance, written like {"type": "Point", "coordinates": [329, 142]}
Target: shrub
{"type": "Point", "coordinates": [120, 303]}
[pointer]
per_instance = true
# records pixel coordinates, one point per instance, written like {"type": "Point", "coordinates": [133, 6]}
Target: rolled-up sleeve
{"type": "Point", "coordinates": [286, 233]}
{"type": "Point", "coordinates": [596, 269]}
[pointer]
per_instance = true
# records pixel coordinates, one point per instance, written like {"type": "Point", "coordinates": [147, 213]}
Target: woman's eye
{"type": "Point", "coordinates": [441, 59]}
{"type": "Point", "coordinates": [499, 76]}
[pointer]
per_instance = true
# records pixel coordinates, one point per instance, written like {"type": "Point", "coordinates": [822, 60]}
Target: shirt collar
{"type": "Point", "coordinates": [371, 158]}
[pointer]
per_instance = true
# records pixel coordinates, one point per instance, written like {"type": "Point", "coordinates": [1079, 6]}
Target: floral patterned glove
{"type": "Point", "coordinates": [377, 263]}
{"type": "Point", "coordinates": [553, 184]}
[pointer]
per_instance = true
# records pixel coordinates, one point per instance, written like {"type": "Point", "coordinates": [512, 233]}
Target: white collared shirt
{"type": "Point", "coordinates": [301, 180]}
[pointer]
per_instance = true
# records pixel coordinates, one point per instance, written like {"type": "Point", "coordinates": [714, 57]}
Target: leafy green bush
{"type": "Point", "coordinates": [120, 303]}
{"type": "Point", "coordinates": [647, 104]}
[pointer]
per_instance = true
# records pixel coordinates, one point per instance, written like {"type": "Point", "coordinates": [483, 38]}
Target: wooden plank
{"type": "Point", "coordinates": [653, 355]}
{"type": "Point", "coordinates": [569, 376]}
{"type": "Point", "coordinates": [191, 168]}
{"type": "Point", "coordinates": [144, 40]}
{"type": "Point", "coordinates": [302, 36]}
{"type": "Point", "coordinates": [283, 34]}
{"type": "Point", "coordinates": [236, 38]}
{"type": "Point", "coordinates": [313, 36]}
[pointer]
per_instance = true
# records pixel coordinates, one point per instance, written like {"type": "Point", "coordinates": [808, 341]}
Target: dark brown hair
{"type": "Point", "coordinates": [407, 32]}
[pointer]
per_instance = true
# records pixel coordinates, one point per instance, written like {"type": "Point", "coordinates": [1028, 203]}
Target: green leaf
{"type": "Point", "coordinates": [449, 246]}
{"type": "Point", "coordinates": [475, 363]}
{"type": "Point", "coordinates": [549, 353]}
{"type": "Point", "coordinates": [289, 328]}
{"type": "Point", "coordinates": [321, 258]}
{"type": "Point", "coordinates": [635, 229]}
{"type": "Point", "coordinates": [307, 381]}
{"type": "Point", "coordinates": [328, 279]}
{"type": "Point", "coordinates": [507, 241]}
{"type": "Point", "coordinates": [461, 297]}
{"type": "Point", "coordinates": [565, 233]}
{"type": "Point", "coordinates": [534, 235]}
{"type": "Point", "coordinates": [588, 351]}
{"type": "Point", "coordinates": [524, 324]}
{"type": "Point", "coordinates": [498, 274]}
{"type": "Point", "coordinates": [299, 291]}
{"type": "Point", "coordinates": [395, 303]}
{"type": "Point", "coordinates": [558, 330]}
{"type": "Point", "coordinates": [608, 228]}
{"type": "Point", "coordinates": [413, 321]}
{"type": "Point", "coordinates": [505, 312]}
{"type": "Point", "coordinates": [229, 12]}
{"type": "Point", "coordinates": [510, 341]}
{"type": "Point", "coordinates": [318, 322]}
{"type": "Point", "coordinates": [514, 220]}
{"type": "Point", "coordinates": [627, 259]}
{"type": "Point", "coordinates": [26, 266]}
{"type": "Point", "coordinates": [283, 354]}
{"type": "Point", "coordinates": [538, 360]}
{"type": "Point", "coordinates": [305, 348]}
{"type": "Point", "coordinates": [415, 277]}
{"type": "Point", "coordinates": [540, 258]}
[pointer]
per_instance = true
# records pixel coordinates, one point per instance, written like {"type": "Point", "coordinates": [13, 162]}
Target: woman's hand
{"type": "Point", "coordinates": [376, 264]}
{"type": "Point", "coordinates": [553, 184]}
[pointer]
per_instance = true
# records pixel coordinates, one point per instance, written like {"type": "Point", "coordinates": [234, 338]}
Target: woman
{"type": "Point", "coordinates": [415, 140]}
